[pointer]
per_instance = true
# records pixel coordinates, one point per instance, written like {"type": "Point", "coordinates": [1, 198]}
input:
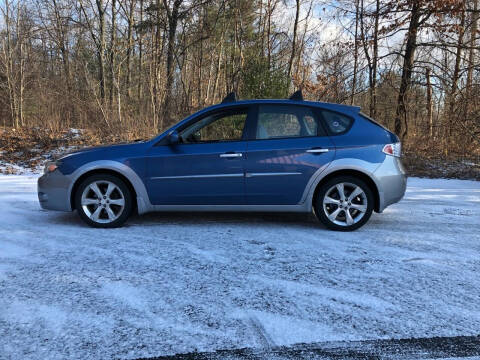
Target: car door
{"type": "Point", "coordinates": [206, 167]}
{"type": "Point", "coordinates": [287, 146]}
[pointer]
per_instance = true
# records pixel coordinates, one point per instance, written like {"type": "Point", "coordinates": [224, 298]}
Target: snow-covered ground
{"type": "Point", "coordinates": [173, 283]}
{"type": "Point", "coordinates": [21, 167]}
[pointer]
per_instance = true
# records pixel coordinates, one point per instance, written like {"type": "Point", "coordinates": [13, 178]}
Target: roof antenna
{"type": "Point", "coordinates": [231, 97]}
{"type": "Point", "coordinates": [297, 96]}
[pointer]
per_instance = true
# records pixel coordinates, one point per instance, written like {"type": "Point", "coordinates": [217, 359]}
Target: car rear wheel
{"type": "Point", "coordinates": [103, 201]}
{"type": "Point", "coordinates": [344, 203]}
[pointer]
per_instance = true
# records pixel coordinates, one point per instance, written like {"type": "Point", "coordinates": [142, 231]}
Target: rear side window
{"type": "Point", "coordinates": [337, 124]}
{"type": "Point", "coordinates": [277, 122]}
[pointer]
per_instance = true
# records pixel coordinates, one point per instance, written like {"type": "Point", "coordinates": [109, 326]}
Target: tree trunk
{"type": "Point", "coordinates": [261, 25]}
{"type": "Point", "coordinates": [408, 60]}
{"type": "Point", "coordinates": [101, 48]}
{"type": "Point", "coordinates": [473, 35]}
{"type": "Point", "coordinates": [62, 35]}
{"type": "Point", "coordinates": [219, 65]}
{"type": "Point", "coordinates": [173, 17]}
{"type": "Point", "coordinates": [429, 102]}
{"type": "Point", "coordinates": [355, 52]}
{"type": "Point", "coordinates": [269, 30]}
{"type": "Point", "coordinates": [370, 62]}
{"type": "Point", "coordinates": [129, 47]}
{"type": "Point", "coordinates": [140, 57]}
{"type": "Point", "coordinates": [302, 42]}
{"type": "Point", "coordinates": [9, 70]}
{"type": "Point", "coordinates": [294, 41]}
{"type": "Point", "coordinates": [21, 55]}
{"type": "Point", "coordinates": [456, 73]}
{"type": "Point", "coordinates": [113, 39]}
{"type": "Point", "coordinates": [373, 87]}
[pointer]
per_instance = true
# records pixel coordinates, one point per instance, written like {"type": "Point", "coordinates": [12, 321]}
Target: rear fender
{"type": "Point", "coordinates": [365, 167]}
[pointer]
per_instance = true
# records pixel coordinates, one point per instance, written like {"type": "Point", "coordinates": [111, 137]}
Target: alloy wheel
{"type": "Point", "coordinates": [102, 201]}
{"type": "Point", "coordinates": [345, 204]}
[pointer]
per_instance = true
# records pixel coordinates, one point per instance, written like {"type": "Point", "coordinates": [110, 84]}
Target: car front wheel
{"type": "Point", "coordinates": [103, 201]}
{"type": "Point", "coordinates": [344, 203]}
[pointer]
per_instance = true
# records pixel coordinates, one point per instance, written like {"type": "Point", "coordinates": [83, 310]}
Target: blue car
{"type": "Point", "coordinates": [258, 155]}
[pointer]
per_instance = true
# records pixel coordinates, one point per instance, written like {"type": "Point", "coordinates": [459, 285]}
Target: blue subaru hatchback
{"type": "Point", "coordinates": [257, 155]}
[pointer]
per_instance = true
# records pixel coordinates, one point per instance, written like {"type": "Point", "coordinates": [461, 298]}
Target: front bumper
{"type": "Point", "coordinates": [391, 180]}
{"type": "Point", "coordinates": [53, 191]}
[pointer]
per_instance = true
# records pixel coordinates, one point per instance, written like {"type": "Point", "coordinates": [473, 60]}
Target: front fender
{"type": "Point", "coordinates": [143, 202]}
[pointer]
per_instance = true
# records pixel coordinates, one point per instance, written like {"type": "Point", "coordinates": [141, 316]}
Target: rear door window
{"type": "Point", "coordinates": [285, 121]}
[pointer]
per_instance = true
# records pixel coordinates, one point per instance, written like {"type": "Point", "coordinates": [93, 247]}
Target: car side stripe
{"type": "Point", "coordinates": [197, 176]}
{"type": "Point", "coordinates": [272, 174]}
{"type": "Point", "coordinates": [225, 175]}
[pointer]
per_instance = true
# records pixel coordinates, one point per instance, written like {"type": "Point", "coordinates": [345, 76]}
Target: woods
{"type": "Point", "coordinates": [135, 67]}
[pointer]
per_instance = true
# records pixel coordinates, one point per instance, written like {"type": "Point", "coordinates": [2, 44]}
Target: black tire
{"type": "Point", "coordinates": [349, 185]}
{"type": "Point", "coordinates": [123, 214]}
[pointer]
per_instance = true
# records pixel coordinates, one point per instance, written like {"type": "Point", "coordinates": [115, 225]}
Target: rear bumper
{"type": "Point", "coordinates": [391, 180]}
{"type": "Point", "coordinates": [53, 191]}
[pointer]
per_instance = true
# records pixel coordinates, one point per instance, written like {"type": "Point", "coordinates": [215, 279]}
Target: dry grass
{"type": "Point", "coordinates": [458, 159]}
{"type": "Point", "coordinates": [421, 165]}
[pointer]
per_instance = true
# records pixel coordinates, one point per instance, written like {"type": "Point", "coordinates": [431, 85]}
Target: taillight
{"type": "Point", "coordinates": [393, 149]}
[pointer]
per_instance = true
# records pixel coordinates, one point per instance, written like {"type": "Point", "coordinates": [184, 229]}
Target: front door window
{"type": "Point", "coordinates": [217, 127]}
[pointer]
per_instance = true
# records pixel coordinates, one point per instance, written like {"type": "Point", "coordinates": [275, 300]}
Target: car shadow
{"type": "Point", "coordinates": [304, 220]}
{"type": "Point", "coordinates": [280, 219]}
{"type": "Point", "coordinates": [197, 218]}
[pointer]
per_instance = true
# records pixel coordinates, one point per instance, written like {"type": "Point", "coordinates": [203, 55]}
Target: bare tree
{"type": "Point", "coordinates": [429, 101]}
{"type": "Point", "coordinates": [294, 39]}
{"type": "Point", "coordinates": [472, 42]}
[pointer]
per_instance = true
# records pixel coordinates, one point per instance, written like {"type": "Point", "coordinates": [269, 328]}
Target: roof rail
{"type": "Point", "coordinates": [297, 96]}
{"type": "Point", "coordinates": [231, 97]}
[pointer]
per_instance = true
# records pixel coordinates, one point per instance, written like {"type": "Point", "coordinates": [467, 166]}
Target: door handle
{"type": "Point", "coordinates": [231, 155]}
{"type": "Point", "coordinates": [317, 151]}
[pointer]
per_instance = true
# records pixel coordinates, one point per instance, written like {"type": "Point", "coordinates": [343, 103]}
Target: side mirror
{"type": "Point", "coordinates": [173, 137]}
